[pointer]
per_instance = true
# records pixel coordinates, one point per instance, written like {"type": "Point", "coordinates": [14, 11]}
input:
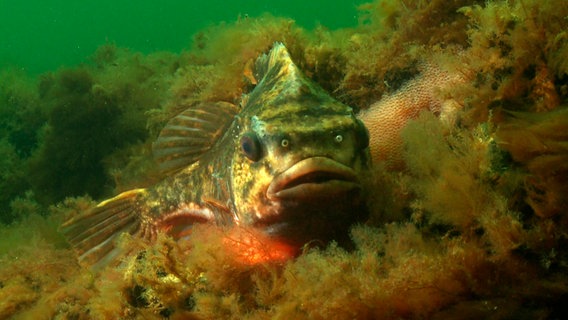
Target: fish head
{"type": "Point", "coordinates": [300, 158]}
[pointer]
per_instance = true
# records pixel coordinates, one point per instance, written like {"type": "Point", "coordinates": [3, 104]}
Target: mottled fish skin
{"type": "Point", "coordinates": [290, 162]}
{"type": "Point", "coordinates": [286, 107]}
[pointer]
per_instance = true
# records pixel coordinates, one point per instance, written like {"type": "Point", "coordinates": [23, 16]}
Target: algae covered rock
{"type": "Point", "coordinates": [473, 223]}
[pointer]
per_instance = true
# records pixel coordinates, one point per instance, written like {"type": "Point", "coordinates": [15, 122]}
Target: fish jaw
{"type": "Point", "coordinates": [318, 200]}
{"type": "Point", "coordinates": [312, 178]}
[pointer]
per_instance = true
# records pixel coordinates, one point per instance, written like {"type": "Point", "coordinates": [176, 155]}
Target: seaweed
{"type": "Point", "coordinates": [21, 118]}
{"type": "Point", "coordinates": [473, 221]}
{"type": "Point", "coordinates": [60, 134]}
{"type": "Point", "coordinates": [82, 129]}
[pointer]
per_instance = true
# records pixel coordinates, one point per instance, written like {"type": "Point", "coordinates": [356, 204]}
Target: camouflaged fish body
{"type": "Point", "coordinates": [289, 162]}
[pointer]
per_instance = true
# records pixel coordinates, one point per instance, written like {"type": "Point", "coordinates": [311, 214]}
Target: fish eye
{"type": "Point", "coordinates": [250, 146]}
{"type": "Point", "coordinates": [285, 143]}
{"type": "Point", "coordinates": [338, 138]}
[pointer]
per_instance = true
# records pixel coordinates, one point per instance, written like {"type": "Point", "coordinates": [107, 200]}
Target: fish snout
{"type": "Point", "coordinates": [313, 178]}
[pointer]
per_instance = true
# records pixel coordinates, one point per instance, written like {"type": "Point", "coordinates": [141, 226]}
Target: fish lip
{"type": "Point", "coordinates": [312, 178]}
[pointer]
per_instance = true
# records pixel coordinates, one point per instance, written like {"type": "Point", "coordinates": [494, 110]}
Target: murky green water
{"type": "Point", "coordinates": [42, 35]}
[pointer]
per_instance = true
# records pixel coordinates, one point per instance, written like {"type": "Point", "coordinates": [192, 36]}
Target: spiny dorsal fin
{"type": "Point", "coordinates": [192, 133]}
{"type": "Point", "coordinates": [275, 60]}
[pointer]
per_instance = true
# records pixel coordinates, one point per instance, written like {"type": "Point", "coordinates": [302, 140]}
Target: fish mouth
{"type": "Point", "coordinates": [313, 178]}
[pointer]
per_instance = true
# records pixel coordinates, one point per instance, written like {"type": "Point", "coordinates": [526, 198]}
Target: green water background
{"type": "Point", "coordinates": [42, 35]}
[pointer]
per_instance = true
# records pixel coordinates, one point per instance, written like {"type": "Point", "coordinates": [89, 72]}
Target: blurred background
{"type": "Point", "coordinates": [40, 35]}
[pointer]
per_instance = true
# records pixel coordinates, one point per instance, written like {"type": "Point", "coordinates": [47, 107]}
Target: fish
{"type": "Point", "coordinates": [289, 161]}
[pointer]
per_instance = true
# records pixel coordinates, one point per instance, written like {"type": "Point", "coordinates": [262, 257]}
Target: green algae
{"type": "Point", "coordinates": [476, 221]}
{"type": "Point", "coordinates": [61, 130]}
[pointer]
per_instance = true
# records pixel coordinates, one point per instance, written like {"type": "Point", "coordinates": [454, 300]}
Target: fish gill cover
{"type": "Point", "coordinates": [468, 208]}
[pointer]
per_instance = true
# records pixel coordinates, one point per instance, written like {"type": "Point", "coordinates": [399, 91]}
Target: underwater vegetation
{"type": "Point", "coordinates": [63, 132]}
{"type": "Point", "coordinates": [472, 220]}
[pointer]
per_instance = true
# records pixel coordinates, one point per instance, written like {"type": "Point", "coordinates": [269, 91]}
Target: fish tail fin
{"type": "Point", "coordinates": [93, 235]}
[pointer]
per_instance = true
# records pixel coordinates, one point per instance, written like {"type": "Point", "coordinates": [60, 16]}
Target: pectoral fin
{"type": "Point", "coordinates": [191, 133]}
